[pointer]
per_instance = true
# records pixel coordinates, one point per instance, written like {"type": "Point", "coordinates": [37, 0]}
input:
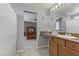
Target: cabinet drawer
{"type": "Point", "coordinates": [62, 42]}
{"type": "Point", "coordinates": [55, 39]}
{"type": "Point", "coordinates": [69, 44]}
{"type": "Point", "coordinates": [72, 45]}
{"type": "Point", "coordinates": [76, 46]}
{"type": "Point", "coordinates": [52, 39]}
{"type": "Point", "coordinates": [69, 52]}
{"type": "Point", "coordinates": [59, 41]}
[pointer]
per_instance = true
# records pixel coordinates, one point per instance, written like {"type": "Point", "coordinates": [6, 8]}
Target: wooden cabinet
{"type": "Point", "coordinates": [31, 35]}
{"type": "Point", "coordinates": [52, 47]}
{"type": "Point", "coordinates": [62, 47]}
{"type": "Point", "coordinates": [72, 45]}
{"type": "Point", "coordinates": [31, 32]}
{"type": "Point", "coordinates": [60, 50]}
{"type": "Point", "coordinates": [69, 52]}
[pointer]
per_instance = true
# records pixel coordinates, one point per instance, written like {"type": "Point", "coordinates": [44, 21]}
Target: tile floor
{"type": "Point", "coordinates": [31, 50]}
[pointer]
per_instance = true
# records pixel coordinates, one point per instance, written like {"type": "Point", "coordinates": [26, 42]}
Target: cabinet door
{"type": "Point", "coordinates": [50, 46]}
{"type": "Point", "coordinates": [53, 48]}
{"type": "Point", "coordinates": [60, 50]}
{"type": "Point", "coordinates": [72, 45]}
{"type": "Point", "coordinates": [69, 52]}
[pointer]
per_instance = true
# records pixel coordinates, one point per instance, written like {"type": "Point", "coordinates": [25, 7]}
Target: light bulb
{"type": "Point", "coordinates": [53, 8]}
{"type": "Point", "coordinates": [56, 6]}
{"type": "Point", "coordinates": [59, 4]}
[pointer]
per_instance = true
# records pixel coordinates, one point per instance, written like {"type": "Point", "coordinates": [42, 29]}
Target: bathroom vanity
{"type": "Point", "coordinates": [63, 45]}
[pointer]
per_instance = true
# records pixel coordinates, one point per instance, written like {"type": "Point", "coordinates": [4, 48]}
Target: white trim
{"type": "Point", "coordinates": [43, 46]}
{"type": "Point", "coordinates": [20, 50]}
{"type": "Point", "coordinates": [31, 21]}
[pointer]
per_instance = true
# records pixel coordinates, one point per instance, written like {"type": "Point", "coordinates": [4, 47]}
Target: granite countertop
{"type": "Point", "coordinates": [74, 39]}
{"type": "Point", "coordinates": [70, 38]}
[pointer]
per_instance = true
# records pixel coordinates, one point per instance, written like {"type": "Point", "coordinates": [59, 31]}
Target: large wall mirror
{"type": "Point", "coordinates": [73, 25]}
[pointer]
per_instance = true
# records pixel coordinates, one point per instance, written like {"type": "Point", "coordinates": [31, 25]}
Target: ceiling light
{"type": "Point", "coordinates": [56, 6]}
{"type": "Point", "coordinates": [59, 4]}
{"type": "Point", "coordinates": [53, 9]}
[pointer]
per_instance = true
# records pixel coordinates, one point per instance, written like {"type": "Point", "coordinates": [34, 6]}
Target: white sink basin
{"type": "Point", "coordinates": [66, 36]}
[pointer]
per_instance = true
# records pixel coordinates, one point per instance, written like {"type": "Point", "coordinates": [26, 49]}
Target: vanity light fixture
{"type": "Point", "coordinates": [53, 8]}
{"type": "Point", "coordinates": [57, 6]}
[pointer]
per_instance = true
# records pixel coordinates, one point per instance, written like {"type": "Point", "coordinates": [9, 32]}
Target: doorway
{"type": "Point", "coordinates": [30, 29]}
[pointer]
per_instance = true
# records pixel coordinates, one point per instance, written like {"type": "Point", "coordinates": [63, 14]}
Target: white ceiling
{"type": "Point", "coordinates": [70, 9]}
{"type": "Point", "coordinates": [43, 6]}
{"type": "Point", "coordinates": [34, 6]}
{"type": "Point", "coordinates": [67, 10]}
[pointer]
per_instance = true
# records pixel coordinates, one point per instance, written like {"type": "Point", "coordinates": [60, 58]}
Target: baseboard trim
{"type": "Point", "coordinates": [21, 50]}
{"type": "Point", "coordinates": [43, 46]}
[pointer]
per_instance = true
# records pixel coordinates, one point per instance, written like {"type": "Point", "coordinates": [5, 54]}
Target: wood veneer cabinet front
{"type": "Point", "coordinates": [69, 52]}
{"type": "Point", "coordinates": [52, 47]}
{"type": "Point", "coordinates": [62, 47]}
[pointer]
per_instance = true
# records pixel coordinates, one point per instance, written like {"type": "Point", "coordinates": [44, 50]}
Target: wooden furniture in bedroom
{"type": "Point", "coordinates": [31, 32]}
